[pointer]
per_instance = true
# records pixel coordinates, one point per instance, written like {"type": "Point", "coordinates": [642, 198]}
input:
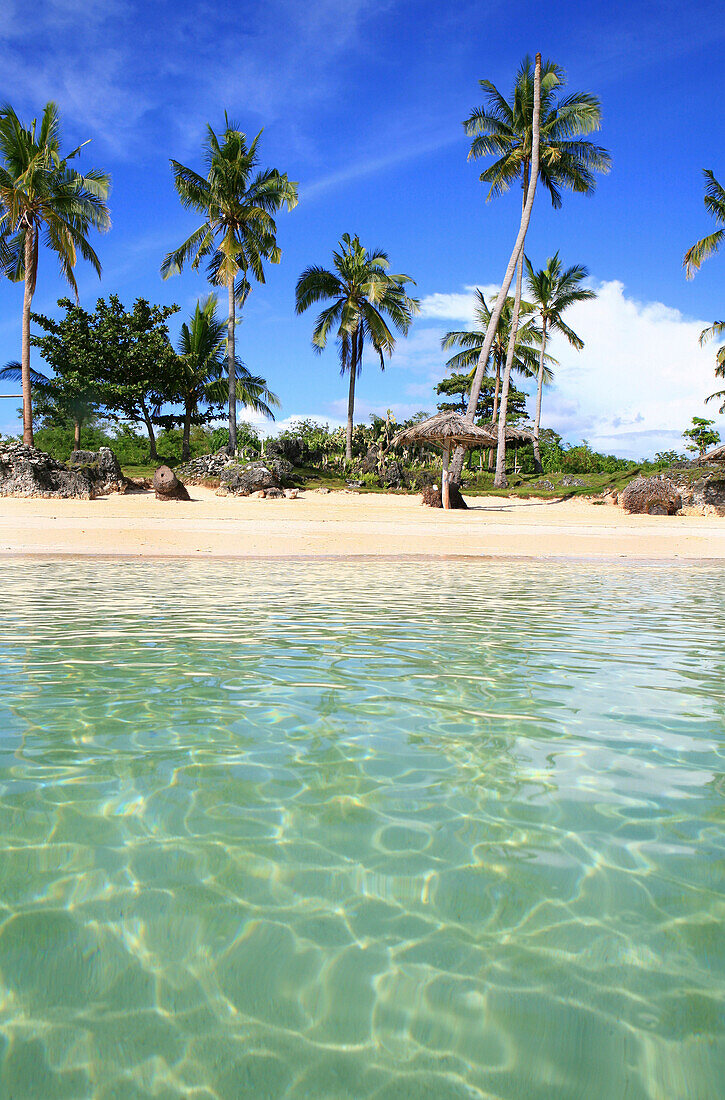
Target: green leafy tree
{"type": "Point", "coordinates": [701, 435]}
{"type": "Point", "coordinates": [535, 134]}
{"type": "Point", "coordinates": [42, 195]}
{"type": "Point", "coordinates": [552, 292]}
{"type": "Point", "coordinates": [201, 357]}
{"type": "Point", "coordinates": [458, 386]}
{"type": "Point", "coordinates": [364, 295]}
{"type": "Point", "coordinates": [68, 347]}
{"type": "Point", "coordinates": [238, 233]}
{"type": "Point", "coordinates": [136, 365]}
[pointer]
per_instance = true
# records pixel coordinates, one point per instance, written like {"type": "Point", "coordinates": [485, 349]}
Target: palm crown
{"type": "Point", "coordinates": [237, 201]}
{"type": "Point", "coordinates": [503, 128]}
{"type": "Point", "coordinates": [40, 191]}
{"type": "Point", "coordinates": [528, 338]}
{"type": "Point", "coordinates": [553, 291]}
{"type": "Point", "coordinates": [715, 204]}
{"type": "Point", "coordinates": [202, 354]}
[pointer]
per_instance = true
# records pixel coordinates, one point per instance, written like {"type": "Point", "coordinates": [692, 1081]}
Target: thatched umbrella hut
{"type": "Point", "coordinates": [446, 430]}
{"type": "Point", "coordinates": [717, 454]}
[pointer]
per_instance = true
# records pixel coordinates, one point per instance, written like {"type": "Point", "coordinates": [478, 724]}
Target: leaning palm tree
{"type": "Point", "coordinates": [552, 292]}
{"type": "Point", "coordinates": [40, 193]}
{"type": "Point", "coordinates": [363, 294]}
{"type": "Point", "coordinates": [536, 134]}
{"type": "Point", "coordinates": [715, 205]}
{"type": "Point", "coordinates": [526, 352]}
{"type": "Point", "coordinates": [201, 358]}
{"type": "Point", "coordinates": [238, 233]}
{"type": "Point", "coordinates": [714, 332]}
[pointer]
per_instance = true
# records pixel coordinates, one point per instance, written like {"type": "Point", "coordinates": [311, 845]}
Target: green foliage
{"type": "Point", "coordinates": [701, 435]}
{"type": "Point", "coordinates": [459, 385]}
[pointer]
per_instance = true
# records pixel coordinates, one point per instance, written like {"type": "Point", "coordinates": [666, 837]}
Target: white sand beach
{"type": "Point", "coordinates": [347, 524]}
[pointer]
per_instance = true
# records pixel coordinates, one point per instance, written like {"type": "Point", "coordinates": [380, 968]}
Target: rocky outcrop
{"type": "Point", "coordinates": [102, 468]}
{"type": "Point", "coordinates": [27, 472]}
{"type": "Point", "coordinates": [654, 496]}
{"type": "Point", "coordinates": [243, 479]}
{"type": "Point", "coordinates": [291, 449]}
{"type": "Point", "coordinates": [706, 496]}
{"type": "Point", "coordinates": [167, 485]}
{"type": "Point", "coordinates": [204, 468]}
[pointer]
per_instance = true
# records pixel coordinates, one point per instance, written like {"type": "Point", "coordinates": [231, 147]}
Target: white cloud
{"type": "Point", "coordinates": [640, 379]}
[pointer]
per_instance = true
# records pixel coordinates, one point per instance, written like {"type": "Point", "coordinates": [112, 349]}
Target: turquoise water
{"type": "Point", "coordinates": [334, 830]}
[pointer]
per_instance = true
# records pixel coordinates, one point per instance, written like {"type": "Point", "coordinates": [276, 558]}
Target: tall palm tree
{"type": "Point", "coordinates": [552, 292]}
{"type": "Point", "coordinates": [201, 357]}
{"type": "Point", "coordinates": [40, 193]}
{"type": "Point", "coordinates": [363, 294]}
{"type": "Point", "coordinates": [715, 205]}
{"type": "Point", "coordinates": [526, 353]}
{"type": "Point", "coordinates": [533, 135]}
{"type": "Point", "coordinates": [238, 233]}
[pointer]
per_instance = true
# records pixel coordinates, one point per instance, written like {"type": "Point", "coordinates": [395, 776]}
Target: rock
{"type": "Point", "coordinates": [706, 496]}
{"type": "Point", "coordinates": [102, 468]}
{"type": "Point", "coordinates": [392, 476]}
{"type": "Point", "coordinates": [291, 449]}
{"type": "Point", "coordinates": [274, 493]}
{"type": "Point", "coordinates": [432, 497]}
{"type": "Point", "coordinates": [354, 484]}
{"type": "Point", "coordinates": [545, 484]}
{"type": "Point", "coordinates": [322, 489]}
{"type": "Point", "coordinates": [243, 479]}
{"type": "Point", "coordinates": [260, 494]}
{"type": "Point", "coordinates": [204, 468]}
{"type": "Point", "coordinates": [139, 484]}
{"type": "Point", "coordinates": [291, 494]}
{"type": "Point", "coordinates": [574, 481]}
{"type": "Point", "coordinates": [654, 496]}
{"type": "Point", "coordinates": [369, 464]}
{"type": "Point", "coordinates": [168, 486]}
{"type": "Point", "coordinates": [27, 472]}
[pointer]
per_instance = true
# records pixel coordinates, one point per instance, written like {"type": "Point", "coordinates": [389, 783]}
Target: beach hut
{"type": "Point", "coordinates": [717, 454]}
{"type": "Point", "coordinates": [446, 430]}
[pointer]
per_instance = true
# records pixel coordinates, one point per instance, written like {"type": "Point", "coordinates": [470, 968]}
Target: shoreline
{"type": "Point", "coordinates": [349, 526]}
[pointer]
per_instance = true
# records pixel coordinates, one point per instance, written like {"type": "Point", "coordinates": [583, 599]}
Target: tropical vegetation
{"type": "Point", "coordinates": [363, 295]}
{"type": "Point", "coordinates": [238, 234]}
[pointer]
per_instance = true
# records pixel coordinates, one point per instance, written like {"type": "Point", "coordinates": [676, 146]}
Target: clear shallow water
{"type": "Point", "coordinates": [333, 830]}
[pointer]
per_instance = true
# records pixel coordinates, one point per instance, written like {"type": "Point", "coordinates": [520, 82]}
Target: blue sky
{"type": "Point", "coordinates": [361, 102]}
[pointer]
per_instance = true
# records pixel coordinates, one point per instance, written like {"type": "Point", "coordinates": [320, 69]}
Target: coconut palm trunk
{"type": "Point", "coordinates": [232, 370]}
{"type": "Point", "coordinates": [29, 288]}
{"type": "Point", "coordinates": [538, 468]}
{"type": "Point", "coordinates": [499, 480]}
{"type": "Point", "coordinates": [494, 414]}
{"type": "Point", "coordinates": [457, 464]}
{"type": "Point", "coordinates": [186, 437]}
{"type": "Point", "coordinates": [76, 435]}
{"type": "Point", "coordinates": [350, 410]}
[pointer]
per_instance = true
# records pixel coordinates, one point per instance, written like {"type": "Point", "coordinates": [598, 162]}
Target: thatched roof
{"type": "Point", "coordinates": [446, 429]}
{"type": "Point", "coordinates": [452, 429]}
{"type": "Point", "coordinates": [717, 454]}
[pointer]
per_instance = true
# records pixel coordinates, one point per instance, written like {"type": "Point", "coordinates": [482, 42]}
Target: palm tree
{"type": "Point", "coordinates": [238, 233]}
{"type": "Point", "coordinates": [536, 134]}
{"type": "Point", "coordinates": [201, 358]}
{"type": "Point", "coordinates": [526, 354]}
{"type": "Point", "coordinates": [40, 192]}
{"type": "Point", "coordinates": [715, 205]}
{"type": "Point", "coordinates": [363, 294]}
{"type": "Point", "coordinates": [552, 292]}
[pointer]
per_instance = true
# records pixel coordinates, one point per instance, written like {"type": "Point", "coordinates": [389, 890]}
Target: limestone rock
{"type": "Point", "coordinates": [168, 486]}
{"type": "Point", "coordinates": [274, 493]}
{"type": "Point", "coordinates": [27, 472]}
{"type": "Point", "coordinates": [246, 478]}
{"type": "Point", "coordinates": [102, 468]}
{"type": "Point", "coordinates": [204, 468]}
{"type": "Point", "coordinates": [291, 494]}
{"type": "Point", "coordinates": [654, 496]}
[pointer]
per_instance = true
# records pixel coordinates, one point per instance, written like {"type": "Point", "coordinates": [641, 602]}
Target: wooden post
{"type": "Point", "coordinates": [445, 486]}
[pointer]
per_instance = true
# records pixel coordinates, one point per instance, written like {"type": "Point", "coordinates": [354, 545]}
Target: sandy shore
{"type": "Point", "coordinates": [369, 525]}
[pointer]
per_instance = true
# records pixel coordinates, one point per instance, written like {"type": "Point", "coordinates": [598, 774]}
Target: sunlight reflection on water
{"type": "Point", "coordinates": [391, 830]}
